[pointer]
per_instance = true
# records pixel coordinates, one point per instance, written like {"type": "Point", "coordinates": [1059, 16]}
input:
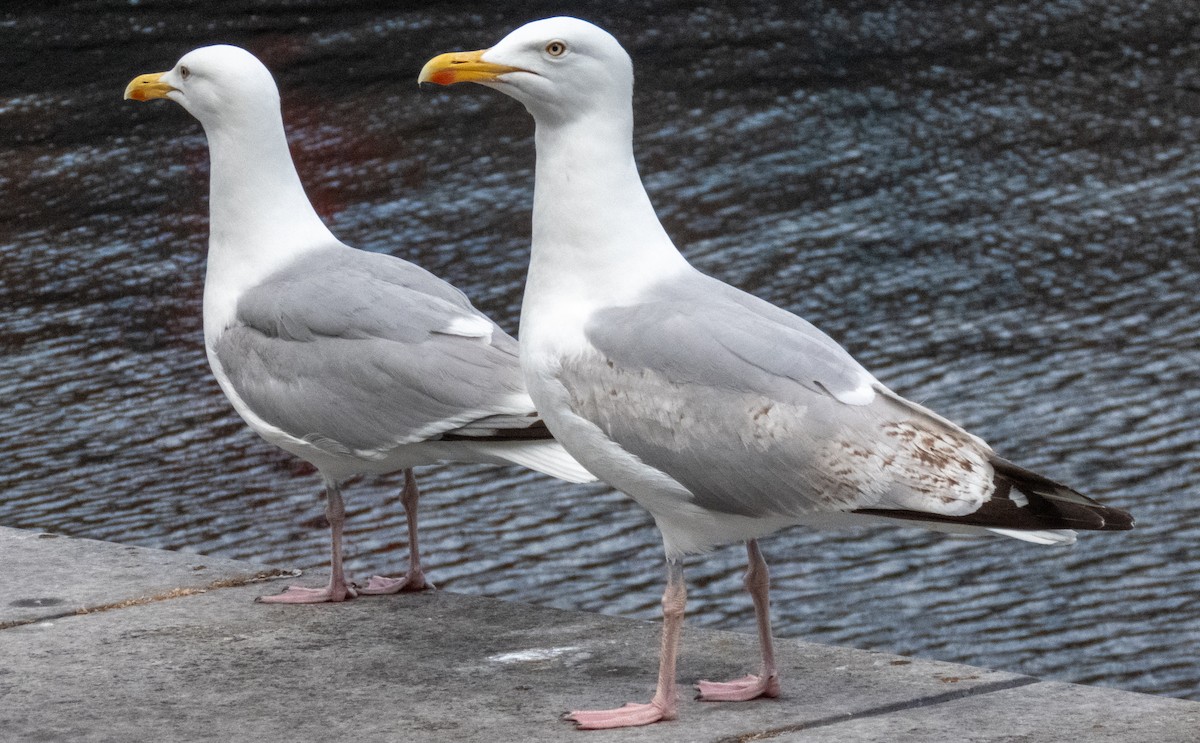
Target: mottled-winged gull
{"type": "Point", "coordinates": [724, 416]}
{"type": "Point", "coordinates": [355, 361]}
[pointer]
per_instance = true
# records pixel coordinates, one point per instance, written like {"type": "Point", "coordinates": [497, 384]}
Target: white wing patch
{"type": "Point", "coordinates": [470, 326]}
{"type": "Point", "coordinates": [863, 394]}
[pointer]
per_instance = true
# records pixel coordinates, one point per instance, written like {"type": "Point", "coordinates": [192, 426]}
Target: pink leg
{"type": "Point", "coordinates": [664, 705]}
{"type": "Point", "coordinates": [414, 579]}
{"type": "Point", "coordinates": [766, 684]}
{"type": "Point", "coordinates": [338, 588]}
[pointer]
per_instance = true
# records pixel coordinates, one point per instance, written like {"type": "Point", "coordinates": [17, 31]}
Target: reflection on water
{"type": "Point", "coordinates": [994, 207]}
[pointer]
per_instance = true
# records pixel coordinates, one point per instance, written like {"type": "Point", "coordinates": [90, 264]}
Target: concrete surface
{"type": "Point", "coordinates": [46, 576]}
{"type": "Point", "coordinates": [168, 651]}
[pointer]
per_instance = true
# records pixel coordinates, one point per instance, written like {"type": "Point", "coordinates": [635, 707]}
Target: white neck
{"type": "Point", "coordinates": [596, 238]}
{"type": "Point", "coordinates": [259, 216]}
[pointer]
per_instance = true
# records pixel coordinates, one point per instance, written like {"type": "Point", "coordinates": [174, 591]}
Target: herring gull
{"type": "Point", "coordinates": [724, 416]}
{"type": "Point", "coordinates": [358, 362]}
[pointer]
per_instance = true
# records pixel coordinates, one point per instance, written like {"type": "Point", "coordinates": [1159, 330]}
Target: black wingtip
{"type": "Point", "coordinates": [1117, 519]}
{"type": "Point", "coordinates": [1043, 505]}
{"type": "Point", "coordinates": [535, 431]}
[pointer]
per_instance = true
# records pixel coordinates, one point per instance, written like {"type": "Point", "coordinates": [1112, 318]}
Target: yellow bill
{"type": "Point", "coordinates": [147, 87]}
{"type": "Point", "coordinates": [462, 67]}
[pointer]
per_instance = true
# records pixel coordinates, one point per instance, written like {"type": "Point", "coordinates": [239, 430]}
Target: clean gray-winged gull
{"type": "Point", "coordinates": [355, 361]}
{"type": "Point", "coordinates": [724, 416]}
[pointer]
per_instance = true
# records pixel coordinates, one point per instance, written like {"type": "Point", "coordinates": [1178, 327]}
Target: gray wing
{"type": "Point", "coordinates": [758, 413]}
{"type": "Point", "coordinates": [358, 351]}
{"type": "Point", "coordinates": [698, 330]}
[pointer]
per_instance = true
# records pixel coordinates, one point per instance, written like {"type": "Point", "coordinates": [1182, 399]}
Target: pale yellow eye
{"type": "Point", "coordinates": [556, 48]}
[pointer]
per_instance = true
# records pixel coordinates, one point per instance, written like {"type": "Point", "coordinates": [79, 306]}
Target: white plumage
{"type": "Point", "coordinates": [355, 361]}
{"type": "Point", "coordinates": [726, 417]}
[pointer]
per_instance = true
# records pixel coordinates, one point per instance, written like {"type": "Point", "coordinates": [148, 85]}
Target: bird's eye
{"type": "Point", "coordinates": [184, 72]}
{"type": "Point", "coordinates": [556, 48]}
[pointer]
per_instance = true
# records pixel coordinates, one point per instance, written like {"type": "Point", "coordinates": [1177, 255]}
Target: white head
{"type": "Point", "coordinates": [216, 84]}
{"type": "Point", "coordinates": [592, 217]}
{"type": "Point", "coordinates": [560, 68]}
{"type": "Point", "coordinates": [259, 216]}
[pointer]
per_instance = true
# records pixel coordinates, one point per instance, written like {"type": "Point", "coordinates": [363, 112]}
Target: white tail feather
{"type": "Point", "coordinates": [547, 457]}
{"type": "Point", "coordinates": [1046, 536]}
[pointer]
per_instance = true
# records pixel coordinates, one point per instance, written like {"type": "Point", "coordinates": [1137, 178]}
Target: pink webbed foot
{"type": "Point", "coordinates": [302, 595]}
{"type": "Point", "coordinates": [739, 690]}
{"type": "Point", "coordinates": [631, 715]}
{"type": "Point", "coordinates": [664, 705]}
{"type": "Point", "coordinates": [379, 585]}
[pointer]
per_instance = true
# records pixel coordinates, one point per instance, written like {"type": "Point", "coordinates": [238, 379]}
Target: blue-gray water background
{"type": "Point", "coordinates": [994, 206]}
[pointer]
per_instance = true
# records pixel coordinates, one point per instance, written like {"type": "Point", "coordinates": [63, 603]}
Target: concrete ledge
{"type": "Point", "coordinates": [45, 576]}
{"type": "Point", "coordinates": [180, 654]}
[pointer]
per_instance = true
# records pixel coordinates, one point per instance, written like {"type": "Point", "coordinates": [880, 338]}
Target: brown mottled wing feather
{"type": "Point", "coordinates": [743, 407]}
{"type": "Point", "coordinates": [1046, 505]}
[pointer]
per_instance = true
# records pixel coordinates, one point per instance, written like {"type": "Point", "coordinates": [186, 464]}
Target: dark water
{"type": "Point", "coordinates": [993, 206]}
